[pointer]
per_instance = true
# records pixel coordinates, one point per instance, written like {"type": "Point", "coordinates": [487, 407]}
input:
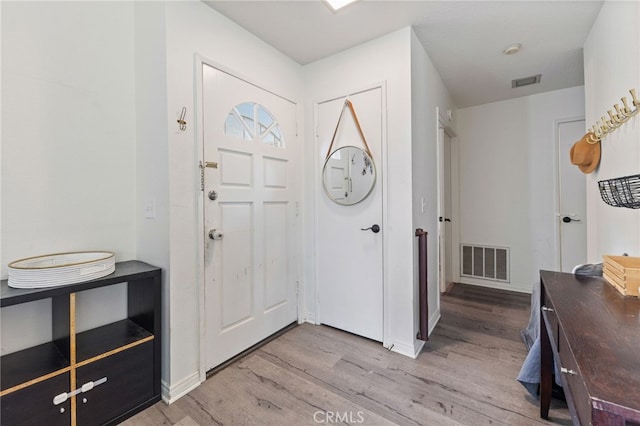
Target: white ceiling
{"type": "Point", "coordinates": [464, 39]}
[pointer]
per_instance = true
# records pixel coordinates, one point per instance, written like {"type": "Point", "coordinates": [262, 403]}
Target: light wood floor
{"type": "Point", "coordinates": [314, 375]}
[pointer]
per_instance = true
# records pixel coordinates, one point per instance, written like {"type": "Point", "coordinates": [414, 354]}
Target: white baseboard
{"type": "Point", "coordinates": [310, 318]}
{"type": "Point", "coordinates": [497, 285]}
{"type": "Point", "coordinates": [412, 351]}
{"type": "Point", "coordinates": [172, 393]}
{"type": "Point", "coordinates": [404, 349]}
{"type": "Point", "coordinates": [417, 347]}
{"type": "Point", "coordinates": [433, 321]}
{"type": "Point", "coordinates": [419, 344]}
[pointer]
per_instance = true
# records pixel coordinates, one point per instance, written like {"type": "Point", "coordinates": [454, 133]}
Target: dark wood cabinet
{"type": "Point", "coordinates": [592, 334]}
{"type": "Point", "coordinates": [33, 404]}
{"type": "Point", "coordinates": [108, 373]}
{"type": "Point", "coordinates": [129, 384]}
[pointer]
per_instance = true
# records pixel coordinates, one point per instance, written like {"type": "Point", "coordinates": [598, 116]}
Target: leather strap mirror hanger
{"type": "Point", "coordinates": [349, 172]}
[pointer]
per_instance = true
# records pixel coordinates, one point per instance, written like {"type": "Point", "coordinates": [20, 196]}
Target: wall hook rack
{"type": "Point", "coordinates": [614, 119]}
{"type": "Point", "coordinates": [181, 123]}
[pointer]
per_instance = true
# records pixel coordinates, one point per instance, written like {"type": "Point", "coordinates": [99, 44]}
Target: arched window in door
{"type": "Point", "coordinates": [253, 122]}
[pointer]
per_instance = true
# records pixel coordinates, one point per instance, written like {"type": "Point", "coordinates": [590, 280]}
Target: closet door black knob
{"type": "Point", "coordinates": [374, 228]}
{"type": "Point", "coordinates": [568, 219]}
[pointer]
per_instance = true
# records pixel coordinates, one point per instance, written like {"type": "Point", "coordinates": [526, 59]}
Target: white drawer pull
{"type": "Point", "coordinates": [96, 383]}
{"type": "Point", "coordinates": [59, 399]}
{"type": "Point", "coordinates": [87, 387]}
{"type": "Point", "coordinates": [544, 308]}
{"type": "Point", "coordinates": [567, 371]}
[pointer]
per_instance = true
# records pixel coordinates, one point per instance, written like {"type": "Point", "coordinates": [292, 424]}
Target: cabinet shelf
{"type": "Point", "coordinates": [108, 338]}
{"type": "Point", "coordinates": [131, 270]}
{"type": "Point", "coordinates": [127, 352]}
{"type": "Point", "coordinates": [29, 364]}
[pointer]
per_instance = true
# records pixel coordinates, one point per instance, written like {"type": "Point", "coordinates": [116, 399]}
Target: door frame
{"type": "Point", "coordinates": [317, 172]}
{"type": "Point", "coordinates": [556, 184]}
{"type": "Point", "coordinates": [199, 62]}
{"type": "Point", "coordinates": [443, 127]}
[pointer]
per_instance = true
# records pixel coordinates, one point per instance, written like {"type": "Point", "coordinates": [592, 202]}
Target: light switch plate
{"type": "Point", "coordinates": [150, 209]}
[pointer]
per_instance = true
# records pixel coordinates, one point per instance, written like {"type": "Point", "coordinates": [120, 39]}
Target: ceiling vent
{"type": "Point", "coordinates": [534, 79]}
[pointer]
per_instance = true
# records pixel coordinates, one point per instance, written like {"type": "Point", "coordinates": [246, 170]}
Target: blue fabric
{"type": "Point", "coordinates": [529, 375]}
{"type": "Point", "coordinates": [530, 334]}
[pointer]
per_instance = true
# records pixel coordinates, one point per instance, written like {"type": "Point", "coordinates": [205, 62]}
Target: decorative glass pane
{"type": "Point", "coordinates": [249, 121]}
{"type": "Point", "coordinates": [233, 127]}
{"type": "Point", "coordinates": [273, 137]}
{"type": "Point", "coordinates": [265, 119]}
{"type": "Point", "coordinates": [246, 111]}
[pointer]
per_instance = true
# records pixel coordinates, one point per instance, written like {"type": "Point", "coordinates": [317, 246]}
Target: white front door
{"type": "Point", "coordinates": [249, 214]}
{"type": "Point", "coordinates": [349, 260]}
{"type": "Point", "coordinates": [572, 208]}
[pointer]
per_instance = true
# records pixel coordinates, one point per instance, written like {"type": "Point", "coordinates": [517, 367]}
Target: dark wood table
{"type": "Point", "coordinates": [592, 333]}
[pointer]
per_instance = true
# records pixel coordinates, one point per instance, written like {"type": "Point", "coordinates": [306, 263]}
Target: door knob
{"type": "Point", "coordinates": [443, 219]}
{"type": "Point", "coordinates": [374, 228]}
{"type": "Point", "coordinates": [213, 195]}
{"type": "Point", "coordinates": [214, 234]}
{"type": "Point", "coordinates": [568, 219]}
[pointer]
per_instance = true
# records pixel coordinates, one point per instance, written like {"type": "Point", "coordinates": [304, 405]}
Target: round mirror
{"type": "Point", "coordinates": [348, 175]}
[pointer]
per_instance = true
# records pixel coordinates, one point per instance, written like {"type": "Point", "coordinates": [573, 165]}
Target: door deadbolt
{"type": "Point", "coordinates": [214, 234]}
{"type": "Point", "coordinates": [213, 195]}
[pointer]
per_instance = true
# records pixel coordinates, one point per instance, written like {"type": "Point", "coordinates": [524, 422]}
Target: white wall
{"type": "Point", "coordinates": [68, 135]}
{"type": "Point", "coordinates": [386, 59]}
{"type": "Point", "coordinates": [68, 141]}
{"type": "Point", "coordinates": [507, 180]}
{"type": "Point", "coordinates": [152, 151]}
{"type": "Point", "coordinates": [91, 94]}
{"type": "Point", "coordinates": [612, 67]}
{"type": "Point", "coordinates": [428, 94]}
{"type": "Point", "coordinates": [193, 28]}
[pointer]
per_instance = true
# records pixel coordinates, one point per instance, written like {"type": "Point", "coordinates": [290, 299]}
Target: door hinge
{"type": "Point", "coordinates": [201, 176]}
{"type": "Point", "coordinates": [297, 288]}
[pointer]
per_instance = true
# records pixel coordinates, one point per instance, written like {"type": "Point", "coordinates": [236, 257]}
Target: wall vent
{"type": "Point", "coordinates": [534, 79]}
{"type": "Point", "coordinates": [489, 263]}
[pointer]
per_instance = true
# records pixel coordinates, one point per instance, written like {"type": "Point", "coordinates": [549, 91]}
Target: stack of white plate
{"type": "Point", "coordinates": [58, 269]}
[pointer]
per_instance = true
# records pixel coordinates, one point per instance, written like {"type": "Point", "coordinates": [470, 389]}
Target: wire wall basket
{"type": "Point", "coordinates": [621, 192]}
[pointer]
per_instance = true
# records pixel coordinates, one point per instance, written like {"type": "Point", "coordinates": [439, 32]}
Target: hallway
{"type": "Point", "coordinates": [465, 375]}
